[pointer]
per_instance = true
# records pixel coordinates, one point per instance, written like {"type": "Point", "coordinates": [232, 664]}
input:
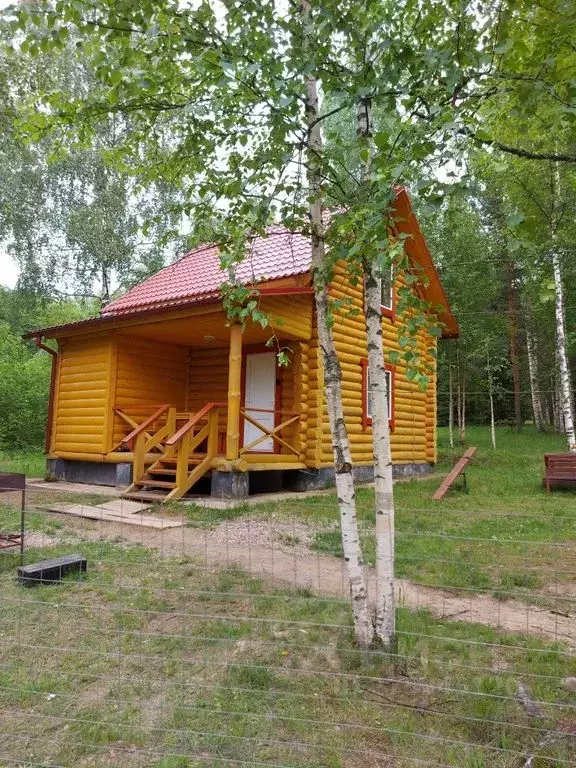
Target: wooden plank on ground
{"type": "Point", "coordinates": [456, 470]}
{"type": "Point", "coordinates": [124, 506]}
{"type": "Point", "coordinates": [97, 513]}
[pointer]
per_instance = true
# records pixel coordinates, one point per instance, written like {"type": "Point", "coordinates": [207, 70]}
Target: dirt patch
{"type": "Point", "coordinates": [254, 547]}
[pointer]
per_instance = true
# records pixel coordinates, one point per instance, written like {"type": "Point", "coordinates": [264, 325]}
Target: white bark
{"type": "Point", "coordinates": [565, 384]}
{"type": "Point", "coordinates": [532, 351]}
{"type": "Point", "coordinates": [385, 621]}
{"type": "Point", "coordinates": [491, 397]}
{"type": "Point", "coordinates": [385, 609]}
{"type": "Point", "coordinates": [363, 627]}
{"type": "Point", "coordinates": [450, 405]}
{"type": "Point", "coordinates": [463, 411]}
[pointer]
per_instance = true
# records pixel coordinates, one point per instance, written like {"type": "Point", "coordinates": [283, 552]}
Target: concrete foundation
{"type": "Point", "coordinates": [227, 485]}
{"type": "Point", "coordinates": [90, 472]}
{"type": "Point", "coordinates": [318, 479]}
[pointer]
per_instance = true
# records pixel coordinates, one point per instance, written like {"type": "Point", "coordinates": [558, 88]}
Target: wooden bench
{"type": "Point", "coordinates": [560, 470]}
{"type": "Point", "coordinates": [11, 482]}
{"type": "Point", "coordinates": [457, 469]}
{"type": "Point", "coordinates": [50, 571]}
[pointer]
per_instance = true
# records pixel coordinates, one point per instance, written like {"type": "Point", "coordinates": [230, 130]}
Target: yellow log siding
{"type": "Point", "coordinates": [82, 391]}
{"type": "Point", "coordinates": [414, 435]}
{"type": "Point", "coordinates": [147, 373]}
{"type": "Point", "coordinates": [289, 315]}
{"type": "Point", "coordinates": [208, 381]}
{"type": "Point", "coordinates": [316, 404]}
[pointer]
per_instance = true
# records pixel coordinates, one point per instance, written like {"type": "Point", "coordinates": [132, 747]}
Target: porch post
{"type": "Point", "coordinates": [234, 387]}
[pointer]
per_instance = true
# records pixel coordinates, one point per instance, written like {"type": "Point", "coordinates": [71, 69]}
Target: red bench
{"type": "Point", "coordinates": [560, 470]}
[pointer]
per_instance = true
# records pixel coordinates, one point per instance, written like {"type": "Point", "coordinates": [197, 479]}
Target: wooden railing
{"type": "Point", "coordinates": [127, 442]}
{"type": "Point", "coordinates": [144, 439]}
{"type": "Point", "coordinates": [187, 440]}
{"type": "Point", "coordinates": [273, 432]}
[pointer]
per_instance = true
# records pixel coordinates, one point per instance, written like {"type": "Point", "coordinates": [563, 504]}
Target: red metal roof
{"type": "Point", "coordinates": [197, 276]}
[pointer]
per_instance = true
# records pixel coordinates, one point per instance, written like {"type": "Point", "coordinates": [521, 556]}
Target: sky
{"type": "Point", "coordinates": [8, 270]}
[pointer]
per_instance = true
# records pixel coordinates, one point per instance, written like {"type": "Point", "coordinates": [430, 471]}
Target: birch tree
{"type": "Point", "coordinates": [223, 101]}
{"type": "Point", "coordinates": [375, 271]}
{"type": "Point", "coordinates": [534, 374]}
{"type": "Point", "coordinates": [565, 383]}
{"type": "Point", "coordinates": [363, 626]}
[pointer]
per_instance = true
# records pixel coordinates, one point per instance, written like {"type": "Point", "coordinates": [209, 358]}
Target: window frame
{"type": "Point", "coordinates": [389, 311]}
{"type": "Point", "coordinates": [366, 417]}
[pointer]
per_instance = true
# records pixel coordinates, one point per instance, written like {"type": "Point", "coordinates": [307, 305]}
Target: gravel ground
{"type": "Point", "coordinates": [291, 537]}
{"type": "Point", "coordinates": [38, 539]}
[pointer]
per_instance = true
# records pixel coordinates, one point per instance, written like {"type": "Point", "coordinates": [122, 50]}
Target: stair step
{"type": "Point", "coordinates": [161, 471]}
{"type": "Point", "coordinates": [144, 496]}
{"type": "Point", "coordinates": [169, 461]}
{"type": "Point", "coordinates": [155, 483]}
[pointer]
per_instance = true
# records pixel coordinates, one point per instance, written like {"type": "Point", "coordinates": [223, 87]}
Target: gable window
{"type": "Point", "coordinates": [367, 396]}
{"type": "Point", "coordinates": [386, 290]}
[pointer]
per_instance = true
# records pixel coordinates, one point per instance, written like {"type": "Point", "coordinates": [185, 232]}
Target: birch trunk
{"type": "Point", "coordinates": [532, 355]}
{"type": "Point", "coordinates": [363, 627]}
{"type": "Point", "coordinates": [385, 620]}
{"type": "Point", "coordinates": [385, 609]}
{"type": "Point", "coordinates": [450, 405]}
{"type": "Point", "coordinates": [463, 411]}
{"type": "Point", "coordinates": [513, 338]}
{"type": "Point", "coordinates": [491, 397]}
{"type": "Point", "coordinates": [565, 384]}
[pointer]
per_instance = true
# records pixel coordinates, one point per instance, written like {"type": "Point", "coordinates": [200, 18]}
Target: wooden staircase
{"type": "Point", "coordinates": [185, 453]}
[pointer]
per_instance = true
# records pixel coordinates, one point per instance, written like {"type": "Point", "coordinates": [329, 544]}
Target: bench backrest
{"type": "Point", "coordinates": [562, 461]}
{"type": "Point", "coordinates": [12, 481]}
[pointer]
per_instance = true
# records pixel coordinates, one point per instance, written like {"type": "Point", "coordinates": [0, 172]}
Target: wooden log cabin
{"type": "Point", "coordinates": [161, 393]}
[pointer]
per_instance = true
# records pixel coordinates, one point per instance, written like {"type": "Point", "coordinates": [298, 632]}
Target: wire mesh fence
{"type": "Point", "coordinates": [225, 640]}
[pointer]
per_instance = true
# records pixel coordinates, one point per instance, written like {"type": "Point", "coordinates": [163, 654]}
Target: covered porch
{"type": "Point", "coordinates": [189, 395]}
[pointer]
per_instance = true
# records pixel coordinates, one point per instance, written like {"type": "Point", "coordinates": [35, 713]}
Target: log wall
{"type": "Point", "coordinates": [414, 433]}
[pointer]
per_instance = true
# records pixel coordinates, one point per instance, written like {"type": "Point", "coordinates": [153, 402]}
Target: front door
{"type": "Point", "coordinates": [260, 398]}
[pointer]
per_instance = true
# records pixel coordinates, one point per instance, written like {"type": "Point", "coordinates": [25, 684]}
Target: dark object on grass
{"type": "Point", "coordinates": [458, 469]}
{"type": "Point", "coordinates": [10, 482]}
{"type": "Point", "coordinates": [560, 470]}
{"type": "Point", "coordinates": [51, 571]}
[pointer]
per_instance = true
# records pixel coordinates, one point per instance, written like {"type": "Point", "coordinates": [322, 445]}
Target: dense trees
{"type": "Point", "coordinates": [24, 371]}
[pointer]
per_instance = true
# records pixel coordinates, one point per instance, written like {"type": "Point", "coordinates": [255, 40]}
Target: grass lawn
{"type": "Point", "coordinates": [151, 661]}
{"type": "Point", "coordinates": [32, 463]}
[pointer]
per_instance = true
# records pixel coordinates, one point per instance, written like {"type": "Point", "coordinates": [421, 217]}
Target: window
{"type": "Point", "coordinates": [367, 397]}
{"type": "Point", "coordinates": [386, 290]}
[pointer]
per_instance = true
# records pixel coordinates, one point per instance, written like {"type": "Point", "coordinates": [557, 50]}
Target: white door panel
{"type": "Point", "coordinates": [260, 393]}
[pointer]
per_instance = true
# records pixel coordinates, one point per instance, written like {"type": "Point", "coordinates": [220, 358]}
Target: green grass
{"type": "Point", "coordinates": [129, 667]}
{"type": "Point", "coordinates": [32, 463]}
{"type": "Point", "coordinates": [506, 534]}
